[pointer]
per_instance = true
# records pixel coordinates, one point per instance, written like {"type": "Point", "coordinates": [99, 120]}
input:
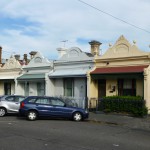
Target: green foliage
{"type": "Point", "coordinates": [134, 105]}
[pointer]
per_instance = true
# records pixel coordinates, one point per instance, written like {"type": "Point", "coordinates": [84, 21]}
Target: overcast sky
{"type": "Point", "coordinates": [41, 25]}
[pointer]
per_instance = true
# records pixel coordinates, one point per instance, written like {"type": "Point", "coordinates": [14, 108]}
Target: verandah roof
{"type": "Point", "coordinates": [78, 72]}
{"type": "Point", "coordinates": [25, 77]}
{"type": "Point", "coordinates": [121, 72]}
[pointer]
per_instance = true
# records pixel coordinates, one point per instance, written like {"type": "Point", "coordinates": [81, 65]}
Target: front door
{"type": "Point", "coordinates": [101, 88]}
{"type": "Point", "coordinates": [26, 88]}
{"type": "Point", "coordinates": [7, 88]}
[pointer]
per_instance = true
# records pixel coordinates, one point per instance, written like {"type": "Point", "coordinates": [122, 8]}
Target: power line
{"type": "Point", "coordinates": [113, 16]}
{"type": "Point", "coordinates": [7, 51]}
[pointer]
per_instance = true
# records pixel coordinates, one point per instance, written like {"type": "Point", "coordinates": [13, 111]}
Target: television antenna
{"type": "Point", "coordinates": [64, 42]}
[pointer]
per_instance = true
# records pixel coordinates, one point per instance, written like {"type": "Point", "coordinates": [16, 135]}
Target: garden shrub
{"type": "Point", "coordinates": [134, 105]}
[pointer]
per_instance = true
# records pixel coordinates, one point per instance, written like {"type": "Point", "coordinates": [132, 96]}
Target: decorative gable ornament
{"type": "Point", "coordinates": [122, 48]}
{"type": "Point", "coordinates": [11, 63]}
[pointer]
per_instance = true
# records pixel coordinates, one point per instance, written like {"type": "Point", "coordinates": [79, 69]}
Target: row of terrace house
{"type": "Point", "coordinates": [122, 70]}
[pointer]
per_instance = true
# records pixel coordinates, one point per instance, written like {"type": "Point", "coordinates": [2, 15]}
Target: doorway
{"type": "Point", "coordinates": [101, 88]}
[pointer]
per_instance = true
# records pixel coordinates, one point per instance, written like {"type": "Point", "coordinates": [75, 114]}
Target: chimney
{"type": "Point", "coordinates": [95, 47]}
{"type": "Point", "coordinates": [25, 58]}
{"type": "Point", "coordinates": [0, 54]}
{"type": "Point", "coordinates": [61, 52]}
{"type": "Point", "coordinates": [32, 54]}
{"type": "Point", "coordinates": [17, 57]}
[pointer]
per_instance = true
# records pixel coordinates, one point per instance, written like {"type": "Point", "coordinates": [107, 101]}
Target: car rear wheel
{"type": "Point", "coordinates": [77, 116]}
{"type": "Point", "coordinates": [32, 115]}
{"type": "Point", "coordinates": [2, 112]}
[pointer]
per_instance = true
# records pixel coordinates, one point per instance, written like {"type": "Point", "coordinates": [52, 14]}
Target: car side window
{"type": "Point", "coordinates": [31, 100]}
{"type": "Point", "coordinates": [42, 101]}
{"type": "Point", "coordinates": [19, 98]}
{"type": "Point", "coordinates": [57, 102]}
{"type": "Point", "coordinates": [10, 98]}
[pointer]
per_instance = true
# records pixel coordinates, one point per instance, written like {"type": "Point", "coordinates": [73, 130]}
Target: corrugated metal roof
{"type": "Point", "coordinates": [31, 76]}
{"type": "Point", "coordinates": [78, 72]}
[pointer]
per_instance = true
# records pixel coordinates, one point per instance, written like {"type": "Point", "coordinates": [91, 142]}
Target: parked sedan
{"type": "Point", "coordinates": [38, 106]}
{"type": "Point", "coordinates": [10, 104]}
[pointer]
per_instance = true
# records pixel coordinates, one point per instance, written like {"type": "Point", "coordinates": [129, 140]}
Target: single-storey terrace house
{"type": "Point", "coordinates": [69, 76]}
{"type": "Point", "coordinates": [34, 78]}
{"type": "Point", "coordinates": [8, 73]}
{"type": "Point", "coordinates": [10, 69]}
{"type": "Point", "coordinates": [122, 70]}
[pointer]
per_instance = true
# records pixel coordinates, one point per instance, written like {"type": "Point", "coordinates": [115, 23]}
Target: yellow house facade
{"type": "Point", "coordinates": [122, 70]}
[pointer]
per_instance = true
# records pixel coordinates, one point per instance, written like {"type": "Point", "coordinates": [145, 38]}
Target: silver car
{"type": "Point", "coordinates": [10, 104]}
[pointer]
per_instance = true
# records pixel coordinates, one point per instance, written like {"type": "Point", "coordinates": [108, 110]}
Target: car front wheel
{"type": "Point", "coordinates": [32, 115]}
{"type": "Point", "coordinates": [77, 116]}
{"type": "Point", "coordinates": [2, 112]}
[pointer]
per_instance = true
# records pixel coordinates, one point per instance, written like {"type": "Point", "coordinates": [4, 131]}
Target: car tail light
{"type": "Point", "coordinates": [22, 105]}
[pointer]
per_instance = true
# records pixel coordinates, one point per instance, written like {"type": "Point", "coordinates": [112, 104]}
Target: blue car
{"type": "Point", "coordinates": [41, 106]}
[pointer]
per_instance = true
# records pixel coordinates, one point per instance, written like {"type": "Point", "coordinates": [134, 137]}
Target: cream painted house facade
{"type": "Point", "coordinates": [122, 70]}
{"type": "Point", "coordinates": [8, 73]}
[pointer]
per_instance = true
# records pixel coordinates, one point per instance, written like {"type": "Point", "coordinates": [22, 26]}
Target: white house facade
{"type": "Point", "coordinates": [69, 76]}
{"type": "Point", "coordinates": [34, 79]}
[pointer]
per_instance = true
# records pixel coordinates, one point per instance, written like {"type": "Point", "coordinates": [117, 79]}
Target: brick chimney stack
{"type": "Point", "coordinates": [0, 54]}
{"type": "Point", "coordinates": [25, 58]}
{"type": "Point", "coordinates": [95, 45]}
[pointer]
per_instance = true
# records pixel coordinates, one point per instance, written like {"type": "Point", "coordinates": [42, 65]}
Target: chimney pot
{"type": "Point", "coordinates": [32, 54]}
{"type": "Point", "coordinates": [61, 51]}
{"type": "Point", "coordinates": [25, 58]}
{"type": "Point", "coordinates": [17, 57]}
{"type": "Point", "coordinates": [0, 54]}
{"type": "Point", "coordinates": [95, 47]}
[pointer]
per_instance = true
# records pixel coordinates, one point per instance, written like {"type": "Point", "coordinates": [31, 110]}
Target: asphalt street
{"type": "Point", "coordinates": [49, 134]}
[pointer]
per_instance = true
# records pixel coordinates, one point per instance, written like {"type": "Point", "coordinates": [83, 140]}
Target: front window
{"type": "Point", "coordinates": [26, 88]}
{"type": "Point", "coordinates": [40, 89]}
{"type": "Point", "coordinates": [127, 87]}
{"type": "Point", "coordinates": [68, 87]}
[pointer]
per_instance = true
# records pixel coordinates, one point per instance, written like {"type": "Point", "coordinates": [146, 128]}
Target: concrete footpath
{"type": "Point", "coordinates": [120, 120]}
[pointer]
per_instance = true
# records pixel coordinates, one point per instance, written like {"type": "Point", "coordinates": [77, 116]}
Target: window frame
{"type": "Point", "coordinates": [123, 91]}
{"type": "Point", "coordinates": [40, 88]}
{"type": "Point", "coordinates": [68, 90]}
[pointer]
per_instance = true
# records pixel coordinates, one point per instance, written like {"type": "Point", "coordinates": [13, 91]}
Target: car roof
{"type": "Point", "coordinates": [41, 96]}
{"type": "Point", "coordinates": [3, 96]}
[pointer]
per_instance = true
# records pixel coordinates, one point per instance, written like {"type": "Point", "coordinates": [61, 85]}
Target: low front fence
{"type": "Point", "coordinates": [125, 104]}
{"type": "Point", "coordinates": [93, 104]}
